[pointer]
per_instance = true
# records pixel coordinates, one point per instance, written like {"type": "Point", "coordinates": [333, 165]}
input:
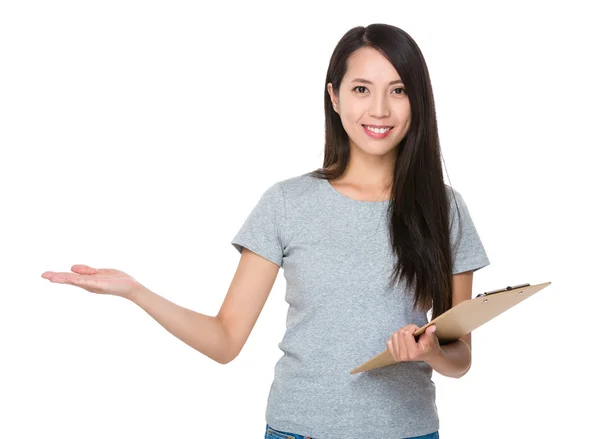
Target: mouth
{"type": "Point", "coordinates": [378, 131]}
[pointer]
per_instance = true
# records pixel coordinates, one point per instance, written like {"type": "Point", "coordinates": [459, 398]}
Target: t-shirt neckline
{"type": "Point", "coordinates": [351, 200]}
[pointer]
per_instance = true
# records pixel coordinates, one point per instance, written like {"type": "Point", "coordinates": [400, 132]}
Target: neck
{"type": "Point", "coordinates": [373, 173]}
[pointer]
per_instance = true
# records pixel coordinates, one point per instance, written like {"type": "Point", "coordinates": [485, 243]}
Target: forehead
{"type": "Point", "coordinates": [370, 64]}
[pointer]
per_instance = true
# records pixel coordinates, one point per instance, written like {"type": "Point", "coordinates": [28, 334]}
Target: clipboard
{"type": "Point", "coordinates": [464, 318]}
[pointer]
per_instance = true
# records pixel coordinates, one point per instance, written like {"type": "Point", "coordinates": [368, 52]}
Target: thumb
{"type": "Point", "coordinates": [84, 269]}
{"type": "Point", "coordinates": [430, 330]}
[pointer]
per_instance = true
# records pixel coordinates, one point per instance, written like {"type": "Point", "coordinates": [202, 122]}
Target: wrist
{"type": "Point", "coordinates": [136, 293]}
{"type": "Point", "coordinates": [436, 357]}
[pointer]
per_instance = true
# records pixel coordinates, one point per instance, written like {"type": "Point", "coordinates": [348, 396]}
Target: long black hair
{"type": "Point", "coordinates": [418, 214]}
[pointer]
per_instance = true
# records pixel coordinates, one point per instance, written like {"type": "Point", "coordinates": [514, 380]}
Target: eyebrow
{"type": "Point", "coordinates": [366, 81]}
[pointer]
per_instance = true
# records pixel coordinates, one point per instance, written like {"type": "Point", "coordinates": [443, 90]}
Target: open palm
{"type": "Point", "coordinates": [96, 280]}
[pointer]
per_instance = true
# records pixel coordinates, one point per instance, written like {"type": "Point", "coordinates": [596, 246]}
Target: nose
{"type": "Point", "coordinates": [379, 107]}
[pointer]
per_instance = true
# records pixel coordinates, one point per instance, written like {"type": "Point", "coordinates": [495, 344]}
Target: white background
{"type": "Point", "coordinates": [139, 135]}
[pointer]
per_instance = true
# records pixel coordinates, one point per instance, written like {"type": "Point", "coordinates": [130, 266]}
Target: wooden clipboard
{"type": "Point", "coordinates": [464, 318]}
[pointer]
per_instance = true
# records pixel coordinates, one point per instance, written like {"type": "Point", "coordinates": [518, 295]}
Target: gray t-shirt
{"type": "Point", "coordinates": [336, 258]}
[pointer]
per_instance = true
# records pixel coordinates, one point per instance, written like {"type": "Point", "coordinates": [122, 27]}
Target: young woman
{"type": "Point", "coordinates": [369, 243]}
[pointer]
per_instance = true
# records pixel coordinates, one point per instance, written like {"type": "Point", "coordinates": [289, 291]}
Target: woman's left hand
{"type": "Point", "coordinates": [403, 346]}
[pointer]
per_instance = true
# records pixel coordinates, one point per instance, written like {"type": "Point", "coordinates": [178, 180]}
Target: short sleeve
{"type": "Point", "coordinates": [262, 231]}
{"type": "Point", "coordinates": [468, 253]}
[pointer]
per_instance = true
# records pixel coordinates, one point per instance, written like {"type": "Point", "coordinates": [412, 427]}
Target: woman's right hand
{"type": "Point", "coordinates": [97, 280]}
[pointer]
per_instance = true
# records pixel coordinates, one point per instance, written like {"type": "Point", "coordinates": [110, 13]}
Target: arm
{"type": "Point", "coordinates": [454, 359]}
{"type": "Point", "coordinates": [204, 333]}
{"type": "Point", "coordinates": [220, 337]}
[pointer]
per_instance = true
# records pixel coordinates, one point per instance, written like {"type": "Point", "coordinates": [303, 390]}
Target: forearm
{"type": "Point", "coordinates": [454, 359]}
{"type": "Point", "coordinates": [204, 333]}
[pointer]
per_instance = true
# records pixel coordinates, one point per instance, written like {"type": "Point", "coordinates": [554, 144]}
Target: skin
{"type": "Point", "coordinates": [368, 177]}
{"type": "Point", "coordinates": [369, 172]}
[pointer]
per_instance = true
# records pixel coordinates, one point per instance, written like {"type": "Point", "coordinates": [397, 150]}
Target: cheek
{"type": "Point", "coordinates": [405, 118]}
{"type": "Point", "coordinates": [350, 119]}
{"type": "Point", "coordinates": [403, 111]}
{"type": "Point", "coordinates": [408, 115]}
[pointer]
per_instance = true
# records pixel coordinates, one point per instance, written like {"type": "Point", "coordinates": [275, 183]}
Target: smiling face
{"type": "Point", "coordinates": [372, 103]}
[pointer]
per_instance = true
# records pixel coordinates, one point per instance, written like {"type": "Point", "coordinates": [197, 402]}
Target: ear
{"type": "Point", "coordinates": [333, 97]}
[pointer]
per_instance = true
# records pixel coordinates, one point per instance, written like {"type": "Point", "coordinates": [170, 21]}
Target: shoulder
{"type": "Point", "coordinates": [295, 189]}
{"type": "Point", "coordinates": [285, 194]}
{"type": "Point", "coordinates": [297, 182]}
{"type": "Point", "coordinates": [455, 200]}
{"type": "Point", "coordinates": [452, 193]}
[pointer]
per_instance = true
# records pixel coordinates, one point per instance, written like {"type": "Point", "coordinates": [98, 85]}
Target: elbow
{"type": "Point", "coordinates": [221, 360]}
{"type": "Point", "coordinates": [227, 358]}
{"type": "Point", "coordinates": [227, 351]}
{"type": "Point", "coordinates": [224, 361]}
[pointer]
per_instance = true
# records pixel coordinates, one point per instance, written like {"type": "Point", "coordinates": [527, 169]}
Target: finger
{"type": "Point", "coordinates": [412, 327]}
{"type": "Point", "coordinates": [410, 344]}
{"type": "Point", "coordinates": [427, 340]}
{"type": "Point", "coordinates": [84, 269]}
{"type": "Point", "coordinates": [397, 347]}
{"type": "Point", "coordinates": [431, 330]}
{"type": "Point", "coordinates": [391, 349]}
{"type": "Point", "coordinates": [56, 277]}
{"type": "Point", "coordinates": [409, 334]}
{"type": "Point", "coordinates": [69, 279]}
{"type": "Point", "coordinates": [78, 268]}
{"type": "Point", "coordinates": [400, 347]}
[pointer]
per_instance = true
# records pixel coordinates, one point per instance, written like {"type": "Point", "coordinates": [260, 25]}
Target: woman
{"type": "Point", "coordinates": [369, 243]}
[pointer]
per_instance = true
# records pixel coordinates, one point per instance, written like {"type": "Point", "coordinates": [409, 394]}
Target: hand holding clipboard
{"type": "Point", "coordinates": [464, 318]}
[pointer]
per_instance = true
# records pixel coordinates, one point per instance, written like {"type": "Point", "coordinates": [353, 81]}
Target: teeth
{"type": "Point", "coordinates": [377, 130]}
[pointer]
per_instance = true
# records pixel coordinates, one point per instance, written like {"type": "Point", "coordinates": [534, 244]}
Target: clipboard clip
{"type": "Point", "coordinates": [514, 287]}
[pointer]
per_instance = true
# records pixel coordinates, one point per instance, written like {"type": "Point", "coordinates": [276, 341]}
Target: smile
{"type": "Point", "coordinates": [377, 132]}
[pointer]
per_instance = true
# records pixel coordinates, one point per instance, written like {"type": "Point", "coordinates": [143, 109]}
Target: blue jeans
{"type": "Point", "coordinates": [270, 433]}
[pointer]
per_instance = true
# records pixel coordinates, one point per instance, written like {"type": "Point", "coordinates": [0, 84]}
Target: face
{"type": "Point", "coordinates": [372, 103]}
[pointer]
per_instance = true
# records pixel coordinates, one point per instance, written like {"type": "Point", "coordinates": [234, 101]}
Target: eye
{"type": "Point", "coordinates": [400, 88]}
{"type": "Point", "coordinates": [359, 86]}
